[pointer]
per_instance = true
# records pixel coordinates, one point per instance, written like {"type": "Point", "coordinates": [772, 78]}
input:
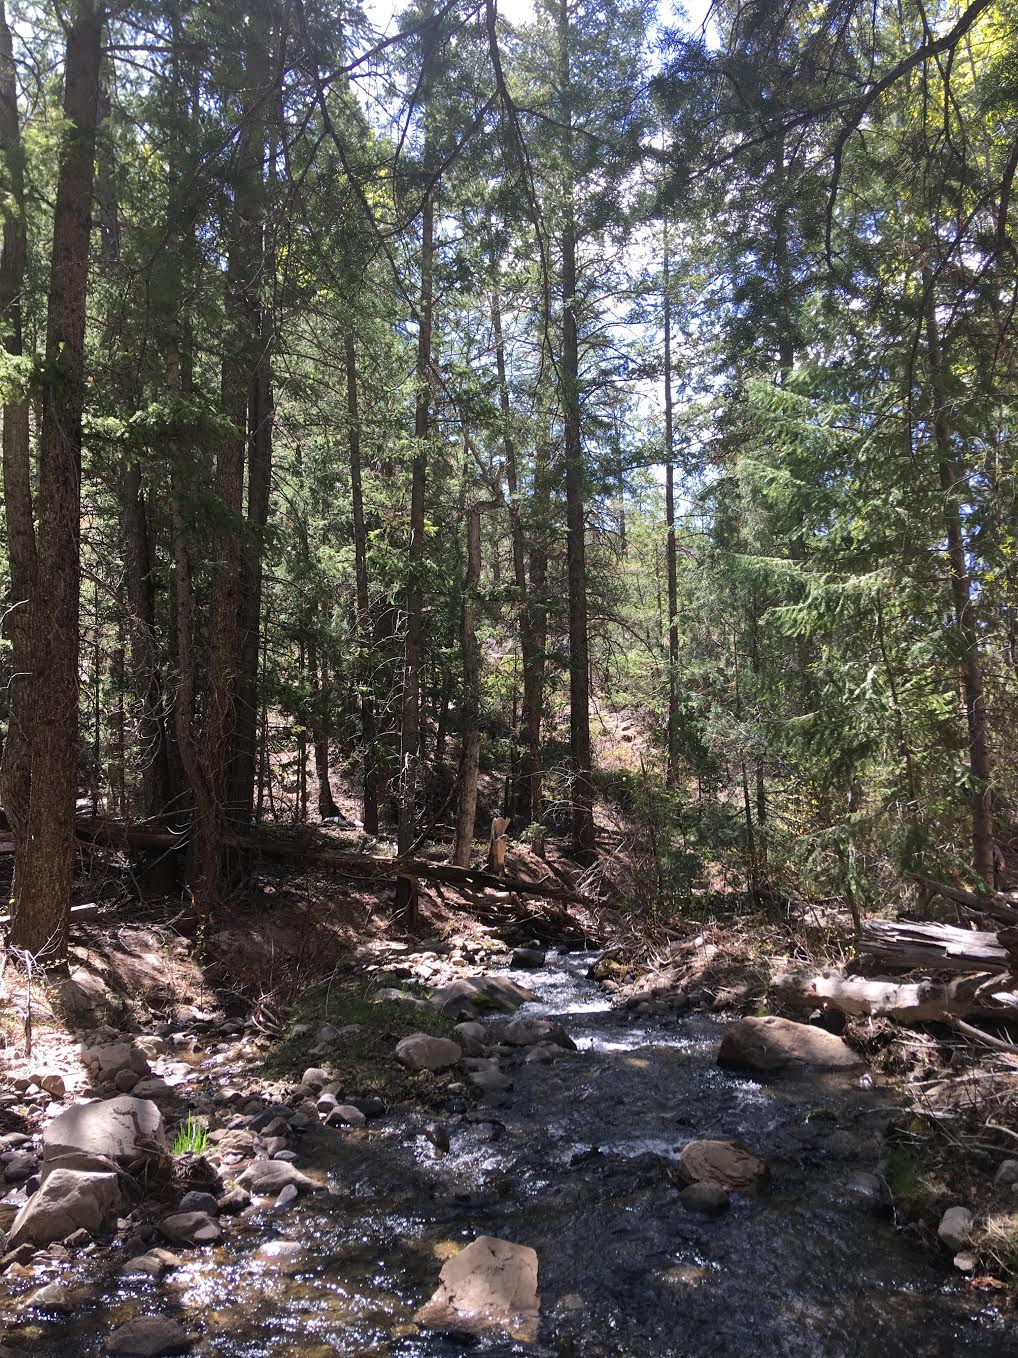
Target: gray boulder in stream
{"type": "Point", "coordinates": [492, 1284]}
{"type": "Point", "coordinates": [771, 1044]}
{"type": "Point", "coordinates": [729, 1164]}
{"type": "Point", "coordinates": [149, 1337]}
{"type": "Point", "coordinates": [473, 995]}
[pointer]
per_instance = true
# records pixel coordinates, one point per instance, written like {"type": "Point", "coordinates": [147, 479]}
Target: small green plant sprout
{"type": "Point", "coordinates": [192, 1138]}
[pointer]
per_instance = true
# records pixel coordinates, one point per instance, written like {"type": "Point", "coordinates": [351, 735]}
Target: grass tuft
{"type": "Point", "coordinates": [191, 1138]}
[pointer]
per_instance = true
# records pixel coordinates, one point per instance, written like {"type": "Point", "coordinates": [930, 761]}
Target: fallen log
{"type": "Point", "coordinates": [998, 905]}
{"type": "Point", "coordinates": [900, 945]}
{"type": "Point", "coordinates": [117, 834]}
{"type": "Point", "coordinates": [903, 1001]}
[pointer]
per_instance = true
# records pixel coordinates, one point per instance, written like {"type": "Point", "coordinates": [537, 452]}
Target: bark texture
{"type": "Point", "coordinates": [43, 890]}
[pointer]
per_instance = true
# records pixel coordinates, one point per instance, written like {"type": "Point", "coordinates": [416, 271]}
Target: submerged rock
{"type": "Point", "coordinates": [727, 1163]}
{"type": "Point", "coordinates": [771, 1044]}
{"type": "Point", "coordinates": [156, 1263]}
{"type": "Point", "coordinates": [52, 1297]}
{"type": "Point", "coordinates": [530, 958]}
{"type": "Point", "coordinates": [149, 1337]}
{"type": "Point", "coordinates": [490, 1284]}
{"type": "Point", "coordinates": [705, 1198]}
{"type": "Point", "coordinates": [528, 1032]}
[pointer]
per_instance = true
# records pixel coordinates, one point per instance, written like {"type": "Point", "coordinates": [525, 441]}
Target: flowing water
{"type": "Point", "coordinates": [581, 1167]}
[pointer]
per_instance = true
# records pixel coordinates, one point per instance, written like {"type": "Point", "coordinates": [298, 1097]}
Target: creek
{"type": "Point", "coordinates": [581, 1166]}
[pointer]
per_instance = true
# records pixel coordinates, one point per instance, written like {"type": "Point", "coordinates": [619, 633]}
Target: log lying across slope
{"type": "Point", "coordinates": [999, 905]}
{"type": "Point", "coordinates": [116, 834]}
{"type": "Point", "coordinates": [905, 1001]}
{"type": "Point", "coordinates": [900, 945]}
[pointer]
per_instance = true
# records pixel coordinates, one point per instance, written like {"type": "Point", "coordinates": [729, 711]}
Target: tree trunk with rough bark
{"type": "Point", "coordinates": [470, 707]}
{"type": "Point", "coordinates": [410, 723]}
{"type": "Point", "coordinates": [671, 563]}
{"type": "Point", "coordinates": [261, 413]}
{"type": "Point", "coordinates": [43, 891]}
{"type": "Point", "coordinates": [582, 795]}
{"type": "Point", "coordinates": [369, 730]}
{"type": "Point", "coordinates": [953, 486]}
{"type": "Point", "coordinates": [228, 613]}
{"type": "Point", "coordinates": [16, 764]}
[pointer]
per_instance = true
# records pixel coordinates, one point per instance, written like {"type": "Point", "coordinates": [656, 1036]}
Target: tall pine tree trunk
{"type": "Point", "coordinates": [229, 614]}
{"type": "Point", "coordinates": [527, 801]}
{"type": "Point", "coordinates": [259, 485]}
{"type": "Point", "coordinates": [15, 768]}
{"type": "Point", "coordinates": [43, 890]}
{"type": "Point", "coordinates": [576, 552]}
{"type": "Point", "coordinates": [470, 710]}
{"type": "Point", "coordinates": [953, 484]}
{"type": "Point", "coordinates": [671, 564]}
{"type": "Point", "coordinates": [369, 732]}
{"type": "Point", "coordinates": [410, 726]}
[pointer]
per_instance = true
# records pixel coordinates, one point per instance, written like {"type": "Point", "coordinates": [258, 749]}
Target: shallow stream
{"type": "Point", "coordinates": [581, 1167]}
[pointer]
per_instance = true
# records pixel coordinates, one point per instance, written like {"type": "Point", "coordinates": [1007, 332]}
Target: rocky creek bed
{"type": "Point", "coordinates": [572, 1153]}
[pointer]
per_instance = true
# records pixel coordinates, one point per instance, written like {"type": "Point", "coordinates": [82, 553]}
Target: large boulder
{"type": "Point", "coordinates": [421, 1051]}
{"type": "Point", "coordinates": [474, 995]}
{"type": "Point", "coordinates": [771, 1044]}
{"type": "Point", "coordinates": [82, 997]}
{"type": "Point", "coordinates": [66, 1201]}
{"type": "Point", "coordinates": [91, 1135]}
{"type": "Point", "coordinates": [490, 1284]}
{"type": "Point", "coordinates": [728, 1163]}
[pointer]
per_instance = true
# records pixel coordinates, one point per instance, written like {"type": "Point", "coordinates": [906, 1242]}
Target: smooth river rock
{"type": "Point", "coordinates": [149, 1337]}
{"type": "Point", "coordinates": [955, 1228]}
{"type": "Point", "coordinates": [727, 1163]}
{"type": "Point", "coordinates": [268, 1178]}
{"type": "Point", "coordinates": [772, 1044]}
{"type": "Point", "coordinates": [421, 1051]}
{"type": "Point", "coordinates": [190, 1228]}
{"type": "Point", "coordinates": [490, 1284]}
